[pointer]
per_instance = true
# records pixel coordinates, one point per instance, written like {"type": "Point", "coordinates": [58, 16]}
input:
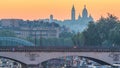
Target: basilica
{"type": "Point", "coordinates": [80, 23]}
{"type": "Point", "coordinates": [75, 24]}
{"type": "Point", "coordinates": [84, 17]}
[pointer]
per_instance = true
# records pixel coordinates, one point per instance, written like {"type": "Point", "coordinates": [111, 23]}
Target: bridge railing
{"type": "Point", "coordinates": [57, 49]}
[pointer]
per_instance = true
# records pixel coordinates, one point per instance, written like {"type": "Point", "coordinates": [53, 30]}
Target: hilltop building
{"type": "Point", "coordinates": [84, 15]}
{"type": "Point", "coordinates": [46, 28]}
{"type": "Point", "coordinates": [73, 14]}
{"type": "Point", "coordinates": [74, 24]}
{"type": "Point", "coordinates": [77, 25]}
{"type": "Point", "coordinates": [51, 18]}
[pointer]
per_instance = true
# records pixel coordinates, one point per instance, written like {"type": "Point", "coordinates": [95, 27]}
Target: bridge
{"type": "Point", "coordinates": [33, 56]}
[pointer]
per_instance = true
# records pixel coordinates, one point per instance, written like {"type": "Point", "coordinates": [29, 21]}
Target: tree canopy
{"type": "Point", "coordinates": [106, 31]}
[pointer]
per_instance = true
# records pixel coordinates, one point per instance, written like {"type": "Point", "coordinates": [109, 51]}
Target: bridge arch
{"type": "Point", "coordinates": [90, 58]}
{"type": "Point", "coordinates": [39, 57]}
{"type": "Point", "coordinates": [22, 63]}
{"type": "Point", "coordinates": [99, 58]}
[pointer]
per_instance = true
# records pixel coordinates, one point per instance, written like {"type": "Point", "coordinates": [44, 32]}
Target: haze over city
{"type": "Point", "coordinates": [59, 33]}
{"type": "Point", "coordinates": [39, 9]}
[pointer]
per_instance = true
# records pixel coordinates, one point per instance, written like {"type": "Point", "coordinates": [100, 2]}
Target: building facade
{"type": "Point", "coordinates": [38, 33]}
{"type": "Point", "coordinates": [7, 23]}
{"type": "Point", "coordinates": [31, 29]}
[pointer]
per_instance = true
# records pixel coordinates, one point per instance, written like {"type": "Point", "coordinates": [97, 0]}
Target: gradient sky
{"type": "Point", "coordinates": [61, 9]}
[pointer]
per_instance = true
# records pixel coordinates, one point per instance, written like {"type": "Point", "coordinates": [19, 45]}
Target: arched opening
{"type": "Point", "coordinates": [98, 61]}
{"type": "Point", "coordinates": [6, 62]}
{"type": "Point", "coordinates": [74, 62]}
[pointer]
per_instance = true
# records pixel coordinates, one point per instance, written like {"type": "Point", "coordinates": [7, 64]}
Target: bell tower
{"type": "Point", "coordinates": [73, 14]}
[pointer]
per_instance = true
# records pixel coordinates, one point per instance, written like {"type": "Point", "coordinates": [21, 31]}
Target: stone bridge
{"type": "Point", "coordinates": [32, 57]}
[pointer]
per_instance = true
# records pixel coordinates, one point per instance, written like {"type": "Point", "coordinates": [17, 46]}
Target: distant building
{"type": "Point", "coordinates": [73, 14]}
{"type": "Point", "coordinates": [44, 20]}
{"type": "Point", "coordinates": [74, 24]}
{"type": "Point", "coordinates": [38, 29]}
{"type": "Point", "coordinates": [10, 22]}
{"type": "Point", "coordinates": [85, 16]}
{"type": "Point", "coordinates": [77, 25]}
{"type": "Point", "coordinates": [71, 25]}
{"type": "Point", "coordinates": [51, 18]}
{"type": "Point", "coordinates": [38, 32]}
{"type": "Point", "coordinates": [33, 29]}
{"type": "Point", "coordinates": [85, 12]}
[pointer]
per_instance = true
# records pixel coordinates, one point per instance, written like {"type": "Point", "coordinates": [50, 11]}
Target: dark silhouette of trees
{"type": "Point", "coordinates": [78, 39]}
{"type": "Point", "coordinates": [114, 35]}
{"type": "Point", "coordinates": [106, 31]}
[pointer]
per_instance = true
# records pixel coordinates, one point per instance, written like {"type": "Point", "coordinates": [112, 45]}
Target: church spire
{"type": "Point", "coordinates": [84, 12]}
{"type": "Point", "coordinates": [73, 14]}
{"type": "Point", "coordinates": [73, 8]}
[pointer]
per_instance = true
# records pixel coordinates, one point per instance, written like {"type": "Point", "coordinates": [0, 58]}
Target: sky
{"type": "Point", "coordinates": [60, 9]}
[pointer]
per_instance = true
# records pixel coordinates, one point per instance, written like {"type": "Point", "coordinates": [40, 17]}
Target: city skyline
{"type": "Point", "coordinates": [29, 9]}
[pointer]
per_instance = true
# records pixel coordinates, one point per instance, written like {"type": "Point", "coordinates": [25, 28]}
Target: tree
{"type": "Point", "coordinates": [78, 39]}
{"type": "Point", "coordinates": [98, 33]}
{"type": "Point", "coordinates": [91, 35]}
{"type": "Point", "coordinates": [114, 35]}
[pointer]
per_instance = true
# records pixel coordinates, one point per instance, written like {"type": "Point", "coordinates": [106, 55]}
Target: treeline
{"type": "Point", "coordinates": [104, 32]}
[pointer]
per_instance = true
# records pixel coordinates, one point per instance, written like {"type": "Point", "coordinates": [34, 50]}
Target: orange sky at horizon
{"type": "Point", "coordinates": [60, 9]}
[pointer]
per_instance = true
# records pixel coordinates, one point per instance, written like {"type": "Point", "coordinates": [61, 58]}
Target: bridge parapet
{"type": "Point", "coordinates": [35, 55]}
{"type": "Point", "coordinates": [57, 49]}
